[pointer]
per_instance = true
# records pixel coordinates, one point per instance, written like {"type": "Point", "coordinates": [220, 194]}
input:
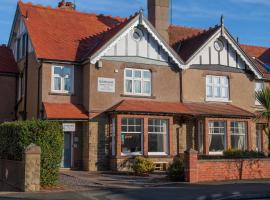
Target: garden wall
{"type": "Point", "coordinates": [224, 169]}
{"type": "Point", "coordinates": [23, 175]}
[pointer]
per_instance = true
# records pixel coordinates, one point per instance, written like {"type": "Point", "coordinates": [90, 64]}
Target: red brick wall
{"type": "Point", "coordinates": [224, 169]}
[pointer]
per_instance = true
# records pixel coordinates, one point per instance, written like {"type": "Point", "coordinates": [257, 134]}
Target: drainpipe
{"type": "Point", "coordinates": [26, 79]}
{"type": "Point", "coordinates": [38, 95]}
{"type": "Point", "coordinates": [181, 85]}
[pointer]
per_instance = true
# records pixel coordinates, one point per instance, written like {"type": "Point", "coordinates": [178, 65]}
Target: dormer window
{"type": "Point", "coordinates": [217, 88]}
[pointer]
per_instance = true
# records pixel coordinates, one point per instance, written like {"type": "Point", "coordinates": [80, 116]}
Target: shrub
{"type": "Point", "coordinates": [243, 154]}
{"type": "Point", "coordinates": [15, 136]}
{"type": "Point", "coordinates": [176, 170]}
{"type": "Point", "coordinates": [142, 166]}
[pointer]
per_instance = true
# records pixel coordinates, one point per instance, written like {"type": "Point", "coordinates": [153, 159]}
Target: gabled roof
{"type": "Point", "coordinates": [186, 44]}
{"type": "Point", "coordinates": [64, 111]}
{"type": "Point", "coordinates": [65, 34]}
{"type": "Point", "coordinates": [69, 35]}
{"type": "Point", "coordinates": [7, 61]}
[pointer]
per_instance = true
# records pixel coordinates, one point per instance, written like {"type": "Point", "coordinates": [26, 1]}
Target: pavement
{"type": "Point", "coordinates": [107, 186]}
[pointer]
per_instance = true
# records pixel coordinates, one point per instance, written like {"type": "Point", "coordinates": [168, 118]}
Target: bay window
{"type": "Point", "coordinates": [137, 82]}
{"type": "Point", "coordinates": [62, 79]}
{"type": "Point", "coordinates": [157, 137]}
{"type": "Point", "coordinates": [217, 136]}
{"type": "Point", "coordinates": [217, 88]}
{"type": "Point", "coordinates": [238, 135]}
{"type": "Point", "coordinates": [131, 136]}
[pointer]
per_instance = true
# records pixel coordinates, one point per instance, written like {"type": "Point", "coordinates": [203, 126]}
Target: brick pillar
{"type": "Point", "coordinates": [191, 166]}
{"type": "Point", "coordinates": [228, 135]}
{"type": "Point", "coordinates": [205, 138]}
{"type": "Point", "coordinates": [118, 136]}
{"type": "Point", "coordinates": [32, 168]}
{"type": "Point", "coordinates": [249, 134]}
{"type": "Point", "coordinates": [145, 136]}
{"type": "Point", "coordinates": [264, 141]}
{"type": "Point", "coordinates": [171, 136]}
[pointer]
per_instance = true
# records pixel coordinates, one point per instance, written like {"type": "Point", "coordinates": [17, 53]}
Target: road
{"type": "Point", "coordinates": [170, 192]}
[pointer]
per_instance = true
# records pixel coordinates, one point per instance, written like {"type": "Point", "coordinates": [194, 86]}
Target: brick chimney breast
{"type": "Point", "coordinates": [66, 5]}
{"type": "Point", "coordinates": [159, 15]}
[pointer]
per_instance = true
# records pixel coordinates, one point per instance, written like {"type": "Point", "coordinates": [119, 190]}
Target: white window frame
{"type": "Point", "coordinates": [240, 134]}
{"type": "Point", "coordinates": [225, 139]}
{"type": "Point", "coordinates": [142, 79]}
{"type": "Point", "coordinates": [159, 133]}
{"type": "Point", "coordinates": [113, 136]}
{"type": "Point", "coordinates": [220, 86]}
{"type": "Point", "coordinates": [257, 103]}
{"type": "Point", "coordinates": [62, 90]}
{"type": "Point", "coordinates": [127, 132]}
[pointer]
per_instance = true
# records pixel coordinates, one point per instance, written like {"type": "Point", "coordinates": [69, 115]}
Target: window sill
{"type": "Point", "coordinates": [157, 154]}
{"type": "Point", "coordinates": [138, 96]}
{"type": "Point", "coordinates": [131, 154]}
{"type": "Point", "coordinates": [218, 100]}
{"type": "Point", "coordinates": [218, 153]}
{"type": "Point", "coordinates": [61, 94]}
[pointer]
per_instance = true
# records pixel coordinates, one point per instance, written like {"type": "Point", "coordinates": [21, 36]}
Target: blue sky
{"type": "Point", "coordinates": [247, 19]}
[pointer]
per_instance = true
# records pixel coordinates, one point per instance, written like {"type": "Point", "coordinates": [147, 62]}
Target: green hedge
{"type": "Point", "coordinates": [15, 136]}
{"type": "Point", "coordinates": [243, 154]}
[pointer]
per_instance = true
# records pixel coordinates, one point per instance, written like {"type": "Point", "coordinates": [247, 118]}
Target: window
{"type": "Point", "coordinates": [62, 79]}
{"type": "Point", "coordinates": [18, 54]}
{"type": "Point", "coordinates": [137, 82]}
{"type": "Point", "coordinates": [157, 136]}
{"type": "Point", "coordinates": [217, 139]}
{"type": "Point", "coordinates": [258, 88]}
{"type": "Point", "coordinates": [24, 40]}
{"type": "Point", "coordinates": [201, 137]}
{"type": "Point", "coordinates": [238, 135]}
{"type": "Point", "coordinates": [21, 46]}
{"type": "Point", "coordinates": [217, 88]}
{"type": "Point", "coordinates": [131, 136]}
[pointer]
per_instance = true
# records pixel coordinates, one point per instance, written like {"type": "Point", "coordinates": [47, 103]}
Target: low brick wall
{"type": "Point", "coordinates": [224, 169]}
{"type": "Point", "coordinates": [23, 175]}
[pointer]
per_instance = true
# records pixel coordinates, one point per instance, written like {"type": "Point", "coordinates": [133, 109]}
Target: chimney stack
{"type": "Point", "coordinates": [66, 5]}
{"type": "Point", "coordinates": [159, 16]}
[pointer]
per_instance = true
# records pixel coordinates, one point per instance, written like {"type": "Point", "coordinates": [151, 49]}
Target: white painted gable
{"type": "Point", "coordinates": [151, 46]}
{"type": "Point", "coordinates": [147, 47]}
{"type": "Point", "coordinates": [230, 56]}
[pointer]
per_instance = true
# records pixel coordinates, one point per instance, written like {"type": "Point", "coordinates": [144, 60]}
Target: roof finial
{"type": "Point", "coordinates": [222, 20]}
{"type": "Point", "coordinates": [141, 15]}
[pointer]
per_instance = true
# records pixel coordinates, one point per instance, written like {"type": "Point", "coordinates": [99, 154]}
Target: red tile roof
{"type": "Point", "coordinates": [65, 111]}
{"type": "Point", "coordinates": [262, 53]}
{"type": "Point", "coordinates": [217, 109]}
{"type": "Point", "coordinates": [64, 34]}
{"type": "Point", "coordinates": [186, 41]}
{"type": "Point", "coordinates": [149, 107]}
{"type": "Point", "coordinates": [7, 61]}
{"type": "Point", "coordinates": [202, 109]}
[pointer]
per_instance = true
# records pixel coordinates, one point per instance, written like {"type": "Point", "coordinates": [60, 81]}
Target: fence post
{"type": "Point", "coordinates": [32, 168]}
{"type": "Point", "coordinates": [191, 166]}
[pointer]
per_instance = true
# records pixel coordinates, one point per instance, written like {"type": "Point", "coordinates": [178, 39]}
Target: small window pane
{"type": "Point", "coordinates": [137, 74]}
{"type": "Point", "coordinates": [146, 74]}
{"type": "Point", "coordinates": [137, 86]}
{"type": "Point", "coordinates": [57, 71]}
{"type": "Point", "coordinates": [146, 87]}
{"type": "Point", "coordinates": [129, 86]}
{"type": "Point", "coordinates": [67, 84]}
{"type": "Point", "coordinates": [157, 143]}
{"type": "Point", "coordinates": [67, 71]}
{"type": "Point", "coordinates": [128, 73]}
{"type": "Point", "coordinates": [57, 83]}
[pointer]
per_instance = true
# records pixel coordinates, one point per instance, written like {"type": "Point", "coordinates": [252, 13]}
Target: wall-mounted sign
{"type": "Point", "coordinates": [69, 127]}
{"type": "Point", "coordinates": [106, 84]}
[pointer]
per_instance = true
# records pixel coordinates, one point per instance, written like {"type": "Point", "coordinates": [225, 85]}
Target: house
{"type": "Point", "coordinates": [123, 87]}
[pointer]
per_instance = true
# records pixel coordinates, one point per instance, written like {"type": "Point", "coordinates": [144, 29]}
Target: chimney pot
{"type": "Point", "coordinates": [66, 5]}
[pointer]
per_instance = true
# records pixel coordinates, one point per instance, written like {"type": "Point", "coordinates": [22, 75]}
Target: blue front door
{"type": "Point", "coordinates": [67, 150]}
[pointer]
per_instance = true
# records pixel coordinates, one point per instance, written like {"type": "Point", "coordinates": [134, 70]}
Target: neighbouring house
{"type": "Point", "coordinates": [135, 86]}
{"type": "Point", "coordinates": [8, 84]}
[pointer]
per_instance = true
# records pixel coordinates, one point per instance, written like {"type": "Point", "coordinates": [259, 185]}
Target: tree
{"type": "Point", "coordinates": [263, 97]}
